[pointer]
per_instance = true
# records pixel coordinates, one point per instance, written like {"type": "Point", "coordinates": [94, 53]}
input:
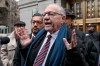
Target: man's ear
{"type": "Point", "coordinates": [64, 17]}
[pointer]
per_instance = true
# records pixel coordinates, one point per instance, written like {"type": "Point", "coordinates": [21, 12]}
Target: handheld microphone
{"type": "Point", "coordinates": [4, 40]}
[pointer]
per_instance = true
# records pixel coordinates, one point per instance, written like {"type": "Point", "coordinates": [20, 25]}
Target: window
{"type": "Point", "coordinates": [98, 8]}
{"type": "Point", "coordinates": [78, 9]}
{"type": "Point", "coordinates": [90, 8]}
{"type": "Point", "coordinates": [3, 29]}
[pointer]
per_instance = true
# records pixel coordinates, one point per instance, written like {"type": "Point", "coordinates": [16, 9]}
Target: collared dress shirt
{"type": "Point", "coordinates": [54, 36]}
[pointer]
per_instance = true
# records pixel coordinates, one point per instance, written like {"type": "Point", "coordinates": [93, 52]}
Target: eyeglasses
{"type": "Point", "coordinates": [51, 14]}
{"type": "Point", "coordinates": [38, 22]}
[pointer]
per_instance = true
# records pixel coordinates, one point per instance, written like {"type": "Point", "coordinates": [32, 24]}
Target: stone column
{"type": "Point", "coordinates": [84, 14]}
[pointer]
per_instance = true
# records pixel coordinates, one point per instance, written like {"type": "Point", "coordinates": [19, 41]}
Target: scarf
{"type": "Point", "coordinates": [57, 55]}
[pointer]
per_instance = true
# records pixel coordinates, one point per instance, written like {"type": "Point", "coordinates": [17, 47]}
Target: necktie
{"type": "Point", "coordinates": [41, 56]}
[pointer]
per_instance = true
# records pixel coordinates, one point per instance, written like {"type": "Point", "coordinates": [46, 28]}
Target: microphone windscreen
{"type": "Point", "coordinates": [4, 40]}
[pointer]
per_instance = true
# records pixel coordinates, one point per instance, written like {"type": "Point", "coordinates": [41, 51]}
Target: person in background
{"type": "Point", "coordinates": [50, 46]}
{"type": "Point", "coordinates": [8, 50]}
{"type": "Point", "coordinates": [91, 33]}
{"type": "Point", "coordinates": [69, 18]}
{"type": "Point", "coordinates": [90, 48]}
{"type": "Point", "coordinates": [69, 22]}
{"type": "Point", "coordinates": [37, 24]}
{"type": "Point", "coordinates": [92, 40]}
{"type": "Point", "coordinates": [91, 28]}
{"type": "Point", "coordinates": [93, 52]}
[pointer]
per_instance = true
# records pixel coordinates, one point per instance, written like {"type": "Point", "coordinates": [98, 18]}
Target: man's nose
{"type": "Point", "coordinates": [46, 17]}
{"type": "Point", "coordinates": [35, 23]}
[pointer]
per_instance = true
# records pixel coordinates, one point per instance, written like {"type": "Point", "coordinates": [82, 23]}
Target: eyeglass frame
{"type": "Point", "coordinates": [50, 13]}
{"type": "Point", "coordinates": [35, 21]}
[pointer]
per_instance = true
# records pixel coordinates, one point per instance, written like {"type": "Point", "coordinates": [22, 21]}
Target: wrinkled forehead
{"type": "Point", "coordinates": [52, 8]}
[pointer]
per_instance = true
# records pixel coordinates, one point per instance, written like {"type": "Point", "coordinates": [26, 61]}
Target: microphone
{"type": "Point", "coordinates": [4, 40]}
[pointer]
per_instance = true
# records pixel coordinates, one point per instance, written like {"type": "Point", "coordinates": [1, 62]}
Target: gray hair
{"type": "Point", "coordinates": [61, 10]}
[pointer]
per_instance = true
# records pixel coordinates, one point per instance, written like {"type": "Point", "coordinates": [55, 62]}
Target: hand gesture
{"type": "Point", "coordinates": [73, 41]}
{"type": "Point", "coordinates": [24, 37]}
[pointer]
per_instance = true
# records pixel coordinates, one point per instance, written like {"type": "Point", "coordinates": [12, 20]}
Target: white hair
{"type": "Point", "coordinates": [60, 8]}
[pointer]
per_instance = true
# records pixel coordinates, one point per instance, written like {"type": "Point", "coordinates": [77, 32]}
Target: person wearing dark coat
{"type": "Point", "coordinates": [37, 25]}
{"type": "Point", "coordinates": [91, 33]}
{"type": "Point", "coordinates": [8, 50]}
{"type": "Point", "coordinates": [60, 52]}
{"type": "Point", "coordinates": [92, 45]}
{"type": "Point", "coordinates": [79, 36]}
{"type": "Point", "coordinates": [93, 53]}
{"type": "Point", "coordinates": [69, 22]}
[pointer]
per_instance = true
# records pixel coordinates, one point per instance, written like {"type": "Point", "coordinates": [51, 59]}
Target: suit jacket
{"type": "Point", "coordinates": [76, 57]}
{"type": "Point", "coordinates": [8, 51]}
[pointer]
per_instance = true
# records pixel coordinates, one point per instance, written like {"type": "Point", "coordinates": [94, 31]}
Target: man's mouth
{"type": "Point", "coordinates": [35, 28]}
{"type": "Point", "coordinates": [48, 23]}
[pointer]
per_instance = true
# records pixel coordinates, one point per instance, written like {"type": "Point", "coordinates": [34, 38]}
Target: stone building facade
{"type": "Point", "coordinates": [9, 14]}
{"type": "Point", "coordinates": [29, 7]}
{"type": "Point", "coordinates": [86, 11]}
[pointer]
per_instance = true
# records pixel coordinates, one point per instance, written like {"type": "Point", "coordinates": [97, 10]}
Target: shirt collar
{"type": "Point", "coordinates": [33, 35]}
{"type": "Point", "coordinates": [54, 35]}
